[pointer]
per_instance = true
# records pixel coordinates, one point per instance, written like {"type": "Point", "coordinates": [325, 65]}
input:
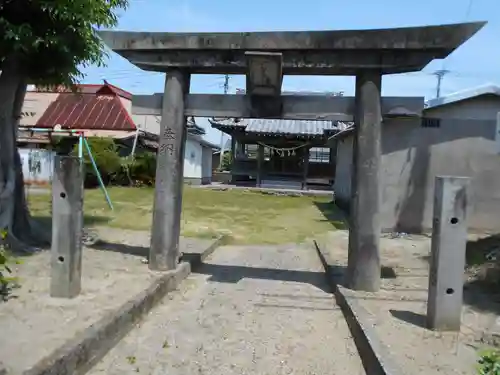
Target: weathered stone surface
{"type": "Point", "coordinates": [304, 107]}
{"type": "Point", "coordinates": [363, 272]}
{"type": "Point", "coordinates": [437, 37]}
{"type": "Point", "coordinates": [164, 252]}
{"type": "Point", "coordinates": [449, 239]}
{"type": "Point", "coordinates": [67, 226]}
{"type": "Point", "coordinates": [304, 52]}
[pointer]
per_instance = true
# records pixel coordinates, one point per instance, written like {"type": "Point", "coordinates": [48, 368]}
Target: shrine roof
{"type": "Point", "coordinates": [330, 52]}
{"type": "Point", "coordinates": [303, 128]}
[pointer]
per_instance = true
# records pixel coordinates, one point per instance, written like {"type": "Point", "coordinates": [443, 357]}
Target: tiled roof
{"type": "Point", "coordinates": [87, 111]}
{"type": "Point", "coordinates": [306, 128]}
{"type": "Point", "coordinates": [292, 127]}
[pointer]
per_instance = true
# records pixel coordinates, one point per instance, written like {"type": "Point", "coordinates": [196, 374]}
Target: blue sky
{"type": "Point", "coordinates": [475, 63]}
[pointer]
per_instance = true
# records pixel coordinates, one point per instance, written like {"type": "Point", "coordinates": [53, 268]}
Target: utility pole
{"type": "Point", "coordinates": [440, 75]}
{"type": "Point", "coordinates": [226, 90]}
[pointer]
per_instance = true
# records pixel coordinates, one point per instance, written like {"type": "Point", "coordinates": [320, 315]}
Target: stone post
{"type": "Point", "coordinates": [260, 161]}
{"type": "Point", "coordinates": [363, 271]}
{"type": "Point", "coordinates": [449, 239]}
{"type": "Point", "coordinates": [233, 158]}
{"type": "Point", "coordinates": [305, 167]}
{"type": "Point", "coordinates": [67, 227]}
{"type": "Point", "coordinates": [164, 251]}
{"type": "Point", "coordinates": [332, 161]}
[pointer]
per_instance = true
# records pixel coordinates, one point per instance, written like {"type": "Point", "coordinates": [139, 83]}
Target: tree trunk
{"type": "Point", "coordinates": [23, 234]}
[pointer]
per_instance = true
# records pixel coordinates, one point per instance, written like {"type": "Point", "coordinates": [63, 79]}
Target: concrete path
{"type": "Point", "coordinates": [249, 310]}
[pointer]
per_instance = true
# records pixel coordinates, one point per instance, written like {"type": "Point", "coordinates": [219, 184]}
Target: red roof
{"type": "Point", "coordinates": [105, 88]}
{"type": "Point", "coordinates": [101, 110]}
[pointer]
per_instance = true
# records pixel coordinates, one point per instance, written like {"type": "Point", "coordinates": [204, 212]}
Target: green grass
{"type": "Point", "coordinates": [249, 217]}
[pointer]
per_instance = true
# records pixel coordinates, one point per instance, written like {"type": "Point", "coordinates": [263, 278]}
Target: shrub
{"type": "Point", "coordinates": [105, 154]}
{"type": "Point", "coordinates": [137, 171]}
{"type": "Point", "coordinates": [6, 282]}
{"type": "Point", "coordinates": [143, 169]}
{"type": "Point", "coordinates": [489, 363]}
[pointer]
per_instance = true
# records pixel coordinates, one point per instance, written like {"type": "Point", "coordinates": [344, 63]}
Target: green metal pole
{"type": "Point", "coordinates": [101, 183]}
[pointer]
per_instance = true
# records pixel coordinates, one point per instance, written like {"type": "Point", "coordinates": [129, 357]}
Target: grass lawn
{"type": "Point", "coordinates": [249, 217]}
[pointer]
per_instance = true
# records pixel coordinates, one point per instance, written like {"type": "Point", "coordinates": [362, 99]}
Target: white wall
{"type": "Point", "coordinates": [206, 165]}
{"type": "Point", "coordinates": [148, 123]}
{"type": "Point", "coordinates": [42, 165]}
{"type": "Point", "coordinates": [192, 159]}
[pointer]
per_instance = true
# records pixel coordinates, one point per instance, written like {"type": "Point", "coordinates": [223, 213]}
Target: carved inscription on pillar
{"type": "Point", "coordinates": [168, 138]}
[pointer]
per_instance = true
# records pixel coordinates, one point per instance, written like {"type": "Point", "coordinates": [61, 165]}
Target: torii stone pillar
{"type": "Point", "coordinates": [164, 252]}
{"type": "Point", "coordinates": [363, 270]}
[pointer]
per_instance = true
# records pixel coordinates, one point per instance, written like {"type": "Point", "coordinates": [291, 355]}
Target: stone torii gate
{"type": "Point", "coordinates": [264, 57]}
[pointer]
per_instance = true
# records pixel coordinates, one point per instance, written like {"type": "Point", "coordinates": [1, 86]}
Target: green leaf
{"type": "Point", "coordinates": [53, 40]}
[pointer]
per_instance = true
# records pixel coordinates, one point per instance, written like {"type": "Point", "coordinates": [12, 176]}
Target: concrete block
{"type": "Point", "coordinates": [449, 239]}
{"type": "Point", "coordinates": [67, 226]}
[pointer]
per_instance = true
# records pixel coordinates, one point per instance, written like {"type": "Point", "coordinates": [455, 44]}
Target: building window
{"type": "Point", "coordinates": [319, 155]}
{"type": "Point", "coordinates": [431, 122]}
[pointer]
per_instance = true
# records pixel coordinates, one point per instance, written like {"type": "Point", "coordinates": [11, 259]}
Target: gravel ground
{"type": "Point", "coordinates": [33, 324]}
{"type": "Point", "coordinates": [400, 307]}
{"type": "Point", "coordinates": [248, 310]}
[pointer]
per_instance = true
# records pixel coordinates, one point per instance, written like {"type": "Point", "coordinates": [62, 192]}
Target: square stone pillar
{"type": "Point", "coordinates": [164, 251]}
{"type": "Point", "coordinates": [67, 227]}
{"type": "Point", "coordinates": [449, 240]}
{"type": "Point", "coordinates": [363, 271]}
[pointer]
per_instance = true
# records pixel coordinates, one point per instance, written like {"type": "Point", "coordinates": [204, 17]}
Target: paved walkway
{"type": "Point", "coordinates": [249, 310]}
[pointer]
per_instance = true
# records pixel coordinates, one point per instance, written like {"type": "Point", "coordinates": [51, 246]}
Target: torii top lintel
{"type": "Point", "coordinates": [342, 52]}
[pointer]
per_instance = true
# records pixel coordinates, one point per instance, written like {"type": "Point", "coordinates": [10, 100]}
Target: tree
{"type": "Point", "coordinates": [227, 162]}
{"type": "Point", "coordinates": [47, 43]}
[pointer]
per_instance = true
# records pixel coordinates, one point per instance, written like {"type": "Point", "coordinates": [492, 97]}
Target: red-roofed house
{"type": "Point", "coordinates": [97, 110]}
{"type": "Point", "coordinates": [100, 111]}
